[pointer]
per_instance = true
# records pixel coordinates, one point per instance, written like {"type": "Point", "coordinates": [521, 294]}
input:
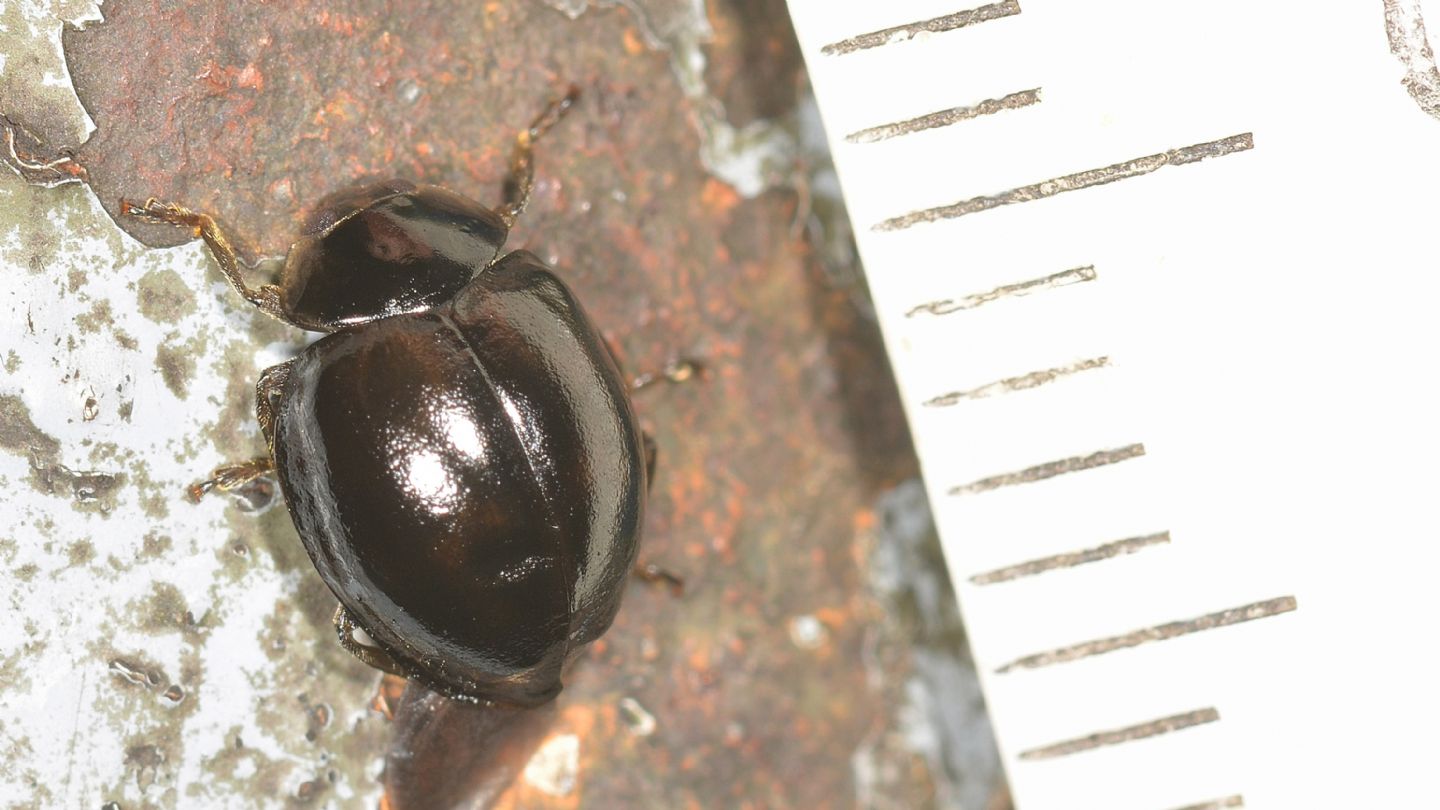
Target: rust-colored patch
{"type": "Point", "coordinates": [766, 465]}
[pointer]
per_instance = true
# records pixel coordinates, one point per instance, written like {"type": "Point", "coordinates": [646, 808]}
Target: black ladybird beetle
{"type": "Point", "coordinates": [459, 453]}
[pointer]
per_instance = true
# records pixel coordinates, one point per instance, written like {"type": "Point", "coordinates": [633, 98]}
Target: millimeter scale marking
{"type": "Point", "coordinates": [1059, 430]}
{"type": "Point", "coordinates": [1050, 469]}
{"type": "Point", "coordinates": [908, 31]}
{"type": "Point", "coordinates": [1023, 382]}
{"type": "Point", "coordinates": [1161, 632]}
{"type": "Point", "coordinates": [1070, 559]}
{"type": "Point", "coordinates": [947, 306]}
{"type": "Point", "coordinates": [947, 117]}
{"type": "Point", "coordinates": [1090, 178]}
{"type": "Point", "coordinates": [1139, 731]}
{"type": "Point", "coordinates": [1216, 804]}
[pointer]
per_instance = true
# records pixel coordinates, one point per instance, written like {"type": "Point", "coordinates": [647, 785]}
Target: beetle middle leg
{"type": "Point", "coordinates": [233, 476]}
{"type": "Point", "coordinates": [266, 297]}
{"type": "Point", "coordinates": [522, 161]}
{"type": "Point", "coordinates": [267, 399]}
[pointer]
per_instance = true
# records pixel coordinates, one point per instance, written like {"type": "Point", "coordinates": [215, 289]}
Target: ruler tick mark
{"type": "Point", "coordinates": [1074, 182]}
{"type": "Point", "coordinates": [945, 118]}
{"type": "Point", "coordinates": [1024, 382]}
{"type": "Point", "coordinates": [1216, 804]}
{"type": "Point", "coordinates": [1099, 739]}
{"type": "Point", "coordinates": [1050, 469]}
{"type": "Point", "coordinates": [1119, 548]}
{"type": "Point", "coordinates": [1162, 632]}
{"type": "Point", "coordinates": [1063, 278]}
{"type": "Point", "coordinates": [902, 33]}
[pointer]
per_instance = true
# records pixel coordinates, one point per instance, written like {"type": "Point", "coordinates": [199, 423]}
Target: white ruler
{"type": "Point", "coordinates": [1160, 282]}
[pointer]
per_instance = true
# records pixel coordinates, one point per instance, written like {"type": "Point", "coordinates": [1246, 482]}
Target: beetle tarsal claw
{"type": "Point", "coordinates": [676, 370]}
{"type": "Point", "coordinates": [158, 213]}
{"type": "Point", "coordinates": [655, 575]}
{"type": "Point", "coordinates": [232, 476]}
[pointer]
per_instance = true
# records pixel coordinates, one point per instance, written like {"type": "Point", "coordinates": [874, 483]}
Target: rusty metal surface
{"type": "Point", "coordinates": [784, 676]}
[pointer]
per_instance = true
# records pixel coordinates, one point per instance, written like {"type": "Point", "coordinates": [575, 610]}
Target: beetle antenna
{"type": "Point", "coordinates": [522, 161]}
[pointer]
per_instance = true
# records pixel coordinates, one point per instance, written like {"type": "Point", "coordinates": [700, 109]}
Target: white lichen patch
{"type": "Point", "coordinates": [155, 652]}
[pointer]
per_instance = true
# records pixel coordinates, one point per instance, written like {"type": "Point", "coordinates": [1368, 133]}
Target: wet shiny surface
{"type": "Point", "coordinates": [385, 249]}
{"type": "Point", "coordinates": [469, 481]}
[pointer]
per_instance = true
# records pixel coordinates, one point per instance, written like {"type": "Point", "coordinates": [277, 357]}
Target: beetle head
{"type": "Point", "coordinates": [385, 249]}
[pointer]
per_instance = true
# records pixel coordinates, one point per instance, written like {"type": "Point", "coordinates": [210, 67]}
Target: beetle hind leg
{"type": "Point", "coordinates": [369, 654]}
{"type": "Point", "coordinates": [652, 452]}
{"type": "Point", "coordinates": [675, 370]}
{"type": "Point", "coordinates": [652, 574]}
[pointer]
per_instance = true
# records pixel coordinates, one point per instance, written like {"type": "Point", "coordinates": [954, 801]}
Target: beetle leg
{"type": "Point", "coordinates": [232, 476]}
{"type": "Point", "coordinates": [266, 297]}
{"type": "Point", "coordinates": [652, 452]}
{"type": "Point", "coordinates": [370, 655]}
{"type": "Point", "coordinates": [522, 167]}
{"type": "Point", "coordinates": [267, 399]}
{"type": "Point", "coordinates": [655, 575]}
{"type": "Point", "coordinates": [677, 370]}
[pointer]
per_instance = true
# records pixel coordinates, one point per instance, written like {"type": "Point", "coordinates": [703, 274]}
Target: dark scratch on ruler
{"type": "Point", "coordinates": [1074, 182]}
{"type": "Point", "coordinates": [1162, 632]}
{"type": "Point", "coordinates": [1099, 739]}
{"type": "Point", "coordinates": [901, 33]}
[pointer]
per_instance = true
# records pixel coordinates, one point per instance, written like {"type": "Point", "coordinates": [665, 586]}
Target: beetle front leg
{"type": "Point", "coordinates": [522, 161]}
{"type": "Point", "coordinates": [265, 297]}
